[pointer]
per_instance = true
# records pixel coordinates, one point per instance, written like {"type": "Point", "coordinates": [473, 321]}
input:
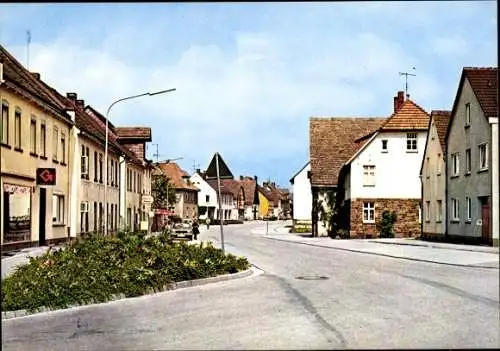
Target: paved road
{"type": "Point", "coordinates": [367, 302]}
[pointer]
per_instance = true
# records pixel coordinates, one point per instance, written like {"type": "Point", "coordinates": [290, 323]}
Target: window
{"type": "Point", "coordinates": [455, 164]}
{"type": "Point", "coordinates": [55, 138]}
{"type": "Point", "coordinates": [428, 168]}
{"type": "Point", "coordinates": [95, 167]}
{"type": "Point", "coordinates": [63, 148]}
{"type": "Point", "coordinates": [369, 175]}
{"type": "Point", "coordinates": [95, 217]}
{"type": "Point", "coordinates": [57, 209]}
{"type": "Point", "coordinates": [467, 114]}
{"type": "Point", "coordinates": [368, 212]}
{"type": "Point", "coordinates": [411, 142]}
{"type": "Point", "coordinates": [439, 210]}
{"type": "Point", "coordinates": [84, 163]}
{"type": "Point", "coordinates": [455, 210]}
{"type": "Point", "coordinates": [420, 213]}
{"type": "Point", "coordinates": [43, 140]}
{"type": "Point", "coordinates": [468, 202]}
{"type": "Point", "coordinates": [467, 161]}
{"type": "Point", "coordinates": [84, 217]}
{"type": "Point", "coordinates": [384, 145]}
{"type": "Point", "coordinates": [112, 174]}
{"type": "Point", "coordinates": [117, 183]}
{"type": "Point", "coordinates": [483, 157]}
{"type": "Point", "coordinates": [207, 198]}
{"type": "Point", "coordinates": [32, 136]}
{"type": "Point", "coordinates": [438, 167]}
{"type": "Point", "coordinates": [427, 211]}
{"type": "Point", "coordinates": [17, 129]}
{"type": "Point", "coordinates": [100, 168]}
{"type": "Point", "coordinates": [5, 123]}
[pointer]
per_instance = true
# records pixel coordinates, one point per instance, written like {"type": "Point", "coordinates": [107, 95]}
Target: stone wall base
{"type": "Point", "coordinates": [28, 244]}
{"type": "Point", "coordinates": [406, 225]}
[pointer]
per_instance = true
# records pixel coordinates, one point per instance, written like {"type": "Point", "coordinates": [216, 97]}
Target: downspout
{"type": "Point", "coordinates": [74, 181]}
{"type": "Point", "coordinates": [122, 192]}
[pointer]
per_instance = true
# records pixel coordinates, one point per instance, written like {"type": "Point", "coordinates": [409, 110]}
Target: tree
{"type": "Point", "coordinates": [163, 191]}
{"type": "Point", "coordinates": [386, 224]}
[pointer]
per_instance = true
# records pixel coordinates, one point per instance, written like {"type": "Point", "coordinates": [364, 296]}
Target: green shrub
{"type": "Point", "coordinates": [96, 268]}
{"type": "Point", "coordinates": [386, 224]}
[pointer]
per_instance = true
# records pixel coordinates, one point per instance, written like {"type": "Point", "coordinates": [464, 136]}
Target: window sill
{"type": "Point", "coordinates": [6, 145]}
{"type": "Point", "coordinates": [467, 174]}
{"type": "Point", "coordinates": [55, 161]}
{"type": "Point", "coordinates": [455, 221]}
{"type": "Point", "coordinates": [412, 151]}
{"type": "Point", "coordinates": [34, 154]}
{"type": "Point", "coordinates": [43, 158]}
{"type": "Point", "coordinates": [63, 164]}
{"type": "Point", "coordinates": [483, 170]}
{"type": "Point", "coordinates": [454, 176]}
{"type": "Point", "coordinates": [58, 224]}
{"type": "Point", "coordinates": [18, 149]}
{"type": "Point", "coordinates": [368, 222]}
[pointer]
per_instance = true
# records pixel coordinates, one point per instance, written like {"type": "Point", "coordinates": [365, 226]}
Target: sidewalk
{"type": "Point", "coordinates": [10, 263]}
{"type": "Point", "coordinates": [440, 253]}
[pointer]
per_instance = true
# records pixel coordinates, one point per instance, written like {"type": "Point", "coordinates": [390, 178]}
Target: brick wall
{"type": "Point", "coordinates": [137, 149]}
{"type": "Point", "coordinates": [407, 224]}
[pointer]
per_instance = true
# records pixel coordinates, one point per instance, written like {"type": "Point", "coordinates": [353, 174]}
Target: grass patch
{"type": "Point", "coordinates": [96, 268]}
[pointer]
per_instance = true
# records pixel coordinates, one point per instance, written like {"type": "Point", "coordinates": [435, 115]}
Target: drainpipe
{"type": "Point", "coordinates": [122, 193]}
{"type": "Point", "coordinates": [495, 196]}
{"type": "Point", "coordinates": [74, 167]}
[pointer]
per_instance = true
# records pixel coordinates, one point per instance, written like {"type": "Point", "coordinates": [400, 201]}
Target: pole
{"type": "Point", "coordinates": [220, 207]}
{"type": "Point", "coordinates": [267, 227]}
{"type": "Point", "coordinates": [106, 149]}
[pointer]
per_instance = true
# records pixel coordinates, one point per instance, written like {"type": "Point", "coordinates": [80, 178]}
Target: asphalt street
{"type": "Point", "coordinates": [306, 298]}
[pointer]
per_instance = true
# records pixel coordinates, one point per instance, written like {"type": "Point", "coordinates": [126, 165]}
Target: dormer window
{"type": "Point", "coordinates": [467, 114]}
{"type": "Point", "coordinates": [384, 145]}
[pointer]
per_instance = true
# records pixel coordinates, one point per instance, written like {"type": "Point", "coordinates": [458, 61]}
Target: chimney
{"type": "Point", "coordinates": [400, 100]}
{"type": "Point", "coordinates": [273, 184]}
{"type": "Point", "coordinates": [255, 178]}
{"type": "Point", "coordinates": [198, 170]}
{"type": "Point", "coordinates": [395, 104]}
{"type": "Point", "coordinates": [80, 103]}
{"type": "Point", "coordinates": [241, 177]}
{"type": "Point", "coordinates": [35, 75]}
{"type": "Point", "coordinates": [71, 96]}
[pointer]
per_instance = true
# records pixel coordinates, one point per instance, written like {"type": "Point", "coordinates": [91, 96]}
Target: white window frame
{"type": "Point", "coordinates": [468, 161]}
{"type": "Point", "coordinates": [368, 175]}
{"type": "Point", "coordinates": [84, 165]}
{"type": "Point", "coordinates": [468, 213]}
{"type": "Point", "coordinates": [483, 152]}
{"type": "Point", "coordinates": [439, 211]}
{"type": "Point", "coordinates": [43, 139]}
{"type": "Point", "coordinates": [412, 142]}
{"type": "Point", "coordinates": [455, 210]}
{"type": "Point", "coordinates": [438, 166]}
{"type": "Point", "coordinates": [467, 114]}
{"type": "Point", "coordinates": [58, 212]}
{"type": "Point", "coordinates": [4, 137]}
{"type": "Point", "coordinates": [455, 164]}
{"type": "Point", "coordinates": [18, 122]}
{"type": "Point", "coordinates": [368, 212]}
{"type": "Point", "coordinates": [33, 127]}
{"type": "Point", "coordinates": [55, 143]}
{"type": "Point", "coordinates": [427, 211]}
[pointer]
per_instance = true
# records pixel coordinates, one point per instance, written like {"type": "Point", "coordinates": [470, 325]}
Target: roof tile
{"type": "Point", "coordinates": [483, 81]}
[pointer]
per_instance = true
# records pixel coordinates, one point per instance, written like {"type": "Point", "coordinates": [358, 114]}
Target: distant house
{"type": "Point", "coordinates": [472, 176]}
{"type": "Point", "coordinates": [266, 204]}
{"type": "Point", "coordinates": [332, 142]}
{"type": "Point", "coordinates": [251, 197]}
{"type": "Point", "coordinates": [383, 174]}
{"type": "Point", "coordinates": [207, 197]}
{"type": "Point", "coordinates": [302, 196]}
{"type": "Point", "coordinates": [186, 193]}
{"type": "Point", "coordinates": [433, 177]}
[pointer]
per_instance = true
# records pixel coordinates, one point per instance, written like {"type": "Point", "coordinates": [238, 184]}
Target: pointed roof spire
{"type": "Point", "coordinates": [224, 172]}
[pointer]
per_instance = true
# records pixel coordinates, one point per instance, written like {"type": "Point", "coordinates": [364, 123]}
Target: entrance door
{"type": "Point", "coordinates": [485, 217]}
{"type": "Point", "coordinates": [42, 217]}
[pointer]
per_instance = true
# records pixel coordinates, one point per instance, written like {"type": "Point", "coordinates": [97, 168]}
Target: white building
{"type": "Point", "coordinates": [384, 173]}
{"type": "Point", "coordinates": [207, 197]}
{"type": "Point", "coordinates": [302, 195]}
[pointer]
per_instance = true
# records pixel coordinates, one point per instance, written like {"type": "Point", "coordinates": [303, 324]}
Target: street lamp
{"type": "Point", "coordinates": [106, 149]}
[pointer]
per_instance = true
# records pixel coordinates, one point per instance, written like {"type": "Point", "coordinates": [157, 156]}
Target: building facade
{"type": "Point", "coordinates": [302, 196]}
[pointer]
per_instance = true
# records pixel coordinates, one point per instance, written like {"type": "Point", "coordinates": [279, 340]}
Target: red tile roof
{"type": "Point", "coordinates": [228, 186]}
{"type": "Point", "coordinates": [249, 186]}
{"type": "Point", "coordinates": [174, 173]}
{"type": "Point", "coordinates": [483, 81]}
{"type": "Point", "coordinates": [409, 117]}
{"type": "Point", "coordinates": [441, 120]}
{"type": "Point", "coordinates": [332, 142]}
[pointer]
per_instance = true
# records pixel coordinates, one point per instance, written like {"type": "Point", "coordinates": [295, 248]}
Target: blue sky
{"type": "Point", "coordinates": [249, 75]}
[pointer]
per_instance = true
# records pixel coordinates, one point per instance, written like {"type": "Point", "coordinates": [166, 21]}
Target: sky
{"type": "Point", "coordinates": [250, 75]}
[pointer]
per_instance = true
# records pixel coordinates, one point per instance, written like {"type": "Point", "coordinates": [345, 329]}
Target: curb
{"type": "Point", "coordinates": [169, 287]}
{"type": "Point", "coordinates": [381, 254]}
{"type": "Point", "coordinates": [433, 247]}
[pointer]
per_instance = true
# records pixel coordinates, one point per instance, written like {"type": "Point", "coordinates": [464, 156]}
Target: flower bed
{"type": "Point", "coordinates": [97, 268]}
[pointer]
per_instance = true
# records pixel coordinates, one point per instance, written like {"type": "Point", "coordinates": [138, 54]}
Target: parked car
{"type": "Point", "coordinates": [183, 229]}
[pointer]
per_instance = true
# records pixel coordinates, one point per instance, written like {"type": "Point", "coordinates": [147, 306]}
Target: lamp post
{"type": "Point", "coordinates": [106, 149]}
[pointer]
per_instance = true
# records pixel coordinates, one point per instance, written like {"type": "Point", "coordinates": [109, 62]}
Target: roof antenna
{"type": "Point", "coordinates": [28, 41]}
{"type": "Point", "coordinates": [406, 74]}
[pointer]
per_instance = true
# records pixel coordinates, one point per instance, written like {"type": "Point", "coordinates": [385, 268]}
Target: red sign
{"type": "Point", "coordinates": [46, 176]}
{"type": "Point", "coordinates": [164, 212]}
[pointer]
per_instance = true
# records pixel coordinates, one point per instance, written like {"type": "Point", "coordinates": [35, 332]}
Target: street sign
{"type": "Point", "coordinates": [46, 176]}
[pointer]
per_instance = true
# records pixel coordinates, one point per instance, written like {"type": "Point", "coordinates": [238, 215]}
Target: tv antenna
{"type": "Point", "coordinates": [157, 154]}
{"type": "Point", "coordinates": [195, 166]}
{"type": "Point", "coordinates": [28, 41]}
{"type": "Point", "coordinates": [406, 74]}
